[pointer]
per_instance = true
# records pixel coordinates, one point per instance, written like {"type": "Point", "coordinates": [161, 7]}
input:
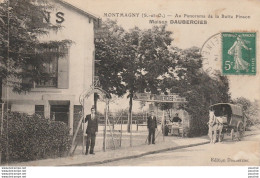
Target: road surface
{"type": "Point", "coordinates": [227, 153]}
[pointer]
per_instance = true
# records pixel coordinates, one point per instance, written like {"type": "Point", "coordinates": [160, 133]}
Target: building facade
{"type": "Point", "coordinates": [58, 98]}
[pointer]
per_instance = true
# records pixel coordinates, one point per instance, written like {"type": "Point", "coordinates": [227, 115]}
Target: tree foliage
{"type": "Point", "coordinates": [133, 61]}
{"type": "Point", "coordinates": [22, 53]}
{"type": "Point", "coordinates": [199, 89]}
{"type": "Point", "coordinates": [144, 61]}
{"type": "Point", "coordinates": [108, 56]}
{"type": "Point", "coordinates": [250, 109]}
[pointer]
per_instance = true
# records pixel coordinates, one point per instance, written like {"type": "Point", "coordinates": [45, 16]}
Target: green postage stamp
{"type": "Point", "coordinates": [238, 53]}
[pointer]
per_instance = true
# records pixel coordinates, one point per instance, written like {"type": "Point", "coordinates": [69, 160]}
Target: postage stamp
{"type": "Point", "coordinates": [238, 53]}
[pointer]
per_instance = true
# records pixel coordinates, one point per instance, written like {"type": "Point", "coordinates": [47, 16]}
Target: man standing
{"type": "Point", "coordinates": [176, 124]}
{"type": "Point", "coordinates": [176, 118]}
{"type": "Point", "coordinates": [91, 130]}
{"type": "Point", "coordinates": [152, 125]}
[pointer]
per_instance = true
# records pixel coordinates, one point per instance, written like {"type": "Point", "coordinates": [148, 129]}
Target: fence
{"type": "Point", "coordinates": [117, 135]}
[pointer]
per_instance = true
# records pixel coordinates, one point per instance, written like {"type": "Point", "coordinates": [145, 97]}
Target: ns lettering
{"type": "Point", "coordinates": [59, 17]}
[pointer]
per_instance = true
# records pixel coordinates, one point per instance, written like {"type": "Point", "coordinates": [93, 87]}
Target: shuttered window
{"type": "Point", "coordinates": [57, 69]}
{"type": "Point", "coordinates": [50, 68]}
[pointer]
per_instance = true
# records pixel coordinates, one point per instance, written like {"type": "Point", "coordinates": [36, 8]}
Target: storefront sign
{"type": "Point", "coordinates": [159, 98]}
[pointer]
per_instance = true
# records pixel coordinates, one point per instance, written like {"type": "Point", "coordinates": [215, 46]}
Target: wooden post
{"type": "Point", "coordinates": [121, 132]}
{"type": "Point", "coordinates": [2, 128]}
{"type": "Point", "coordinates": [105, 129]}
{"type": "Point", "coordinates": [75, 135]}
{"type": "Point", "coordinates": [156, 113]}
{"type": "Point", "coordinates": [83, 126]}
{"type": "Point", "coordinates": [111, 132]}
{"type": "Point", "coordinates": [163, 125]}
{"type": "Point", "coordinates": [143, 115]}
{"type": "Point", "coordinates": [182, 125]}
{"type": "Point", "coordinates": [131, 130]}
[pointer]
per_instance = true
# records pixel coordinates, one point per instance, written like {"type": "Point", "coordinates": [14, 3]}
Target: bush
{"type": "Point", "coordinates": [198, 126]}
{"type": "Point", "coordinates": [28, 138]}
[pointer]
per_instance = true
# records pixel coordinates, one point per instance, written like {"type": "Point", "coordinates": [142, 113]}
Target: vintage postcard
{"type": "Point", "coordinates": [129, 83]}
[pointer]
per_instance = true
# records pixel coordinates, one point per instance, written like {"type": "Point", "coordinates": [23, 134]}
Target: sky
{"type": "Point", "coordinates": [234, 16]}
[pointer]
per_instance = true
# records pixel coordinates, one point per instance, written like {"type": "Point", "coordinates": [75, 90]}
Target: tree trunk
{"type": "Point", "coordinates": [1, 87]}
{"type": "Point", "coordinates": [130, 113]}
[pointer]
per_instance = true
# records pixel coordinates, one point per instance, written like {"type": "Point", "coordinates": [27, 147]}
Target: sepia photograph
{"type": "Point", "coordinates": [87, 83]}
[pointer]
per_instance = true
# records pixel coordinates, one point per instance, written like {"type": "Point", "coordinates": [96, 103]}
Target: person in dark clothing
{"type": "Point", "coordinates": [151, 125]}
{"type": "Point", "coordinates": [91, 130]}
{"type": "Point", "coordinates": [176, 118]}
{"type": "Point", "coordinates": [166, 128]}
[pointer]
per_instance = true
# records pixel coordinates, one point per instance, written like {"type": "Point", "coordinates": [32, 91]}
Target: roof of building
{"type": "Point", "coordinates": [79, 10]}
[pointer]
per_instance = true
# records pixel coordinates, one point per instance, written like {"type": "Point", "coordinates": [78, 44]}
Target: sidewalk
{"type": "Point", "coordinates": [170, 143]}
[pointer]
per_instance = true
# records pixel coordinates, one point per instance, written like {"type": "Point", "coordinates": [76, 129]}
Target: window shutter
{"type": "Point", "coordinates": [63, 72]}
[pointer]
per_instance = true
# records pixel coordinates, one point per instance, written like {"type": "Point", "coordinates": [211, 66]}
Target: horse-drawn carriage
{"type": "Point", "coordinates": [230, 120]}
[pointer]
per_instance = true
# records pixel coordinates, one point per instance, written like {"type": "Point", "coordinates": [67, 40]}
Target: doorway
{"type": "Point", "coordinates": [60, 113]}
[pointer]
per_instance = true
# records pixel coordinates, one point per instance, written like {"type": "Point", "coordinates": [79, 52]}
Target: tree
{"type": "Point", "coordinates": [108, 53]}
{"type": "Point", "coordinates": [199, 89]}
{"type": "Point", "coordinates": [132, 61]}
{"type": "Point", "coordinates": [146, 60]}
{"type": "Point", "coordinates": [243, 102]}
{"type": "Point", "coordinates": [108, 43]}
{"type": "Point", "coordinates": [22, 54]}
{"type": "Point", "coordinates": [254, 111]}
{"type": "Point", "coordinates": [250, 109]}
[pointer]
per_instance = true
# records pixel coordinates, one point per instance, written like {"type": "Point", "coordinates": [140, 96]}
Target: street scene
{"type": "Point", "coordinates": [244, 153]}
{"type": "Point", "coordinates": [174, 151]}
{"type": "Point", "coordinates": [86, 83]}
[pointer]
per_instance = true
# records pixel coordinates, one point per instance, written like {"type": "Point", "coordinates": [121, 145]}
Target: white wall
{"type": "Point", "coordinates": [80, 29]}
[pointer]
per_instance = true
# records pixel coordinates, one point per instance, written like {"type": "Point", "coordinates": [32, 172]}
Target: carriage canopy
{"type": "Point", "coordinates": [231, 108]}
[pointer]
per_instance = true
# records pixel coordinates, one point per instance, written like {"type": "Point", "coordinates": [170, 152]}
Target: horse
{"type": "Point", "coordinates": [215, 124]}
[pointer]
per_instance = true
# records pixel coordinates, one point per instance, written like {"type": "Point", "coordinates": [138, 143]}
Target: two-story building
{"type": "Point", "coordinates": [58, 98]}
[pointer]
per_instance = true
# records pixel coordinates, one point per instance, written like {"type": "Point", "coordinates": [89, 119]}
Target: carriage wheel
{"type": "Point", "coordinates": [240, 131]}
{"type": "Point", "coordinates": [232, 134]}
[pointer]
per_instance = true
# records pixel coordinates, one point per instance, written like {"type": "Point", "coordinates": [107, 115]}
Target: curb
{"type": "Point", "coordinates": [139, 155]}
{"type": "Point", "coordinates": [144, 154]}
{"type": "Point", "coordinates": [93, 163]}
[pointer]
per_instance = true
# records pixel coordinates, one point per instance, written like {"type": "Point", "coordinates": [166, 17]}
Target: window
{"type": "Point", "coordinates": [57, 69]}
{"type": "Point", "coordinates": [39, 109]}
{"type": "Point", "coordinates": [60, 113]}
{"type": "Point", "coordinates": [51, 68]}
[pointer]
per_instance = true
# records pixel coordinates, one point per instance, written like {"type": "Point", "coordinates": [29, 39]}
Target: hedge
{"type": "Point", "coordinates": [27, 138]}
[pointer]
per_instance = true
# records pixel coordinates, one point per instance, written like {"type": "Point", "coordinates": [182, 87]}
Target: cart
{"type": "Point", "coordinates": [234, 120]}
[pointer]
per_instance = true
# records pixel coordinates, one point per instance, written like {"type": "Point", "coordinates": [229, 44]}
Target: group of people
{"type": "Point", "coordinates": [92, 129]}
{"type": "Point", "coordinates": [152, 126]}
{"type": "Point", "coordinates": [214, 126]}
